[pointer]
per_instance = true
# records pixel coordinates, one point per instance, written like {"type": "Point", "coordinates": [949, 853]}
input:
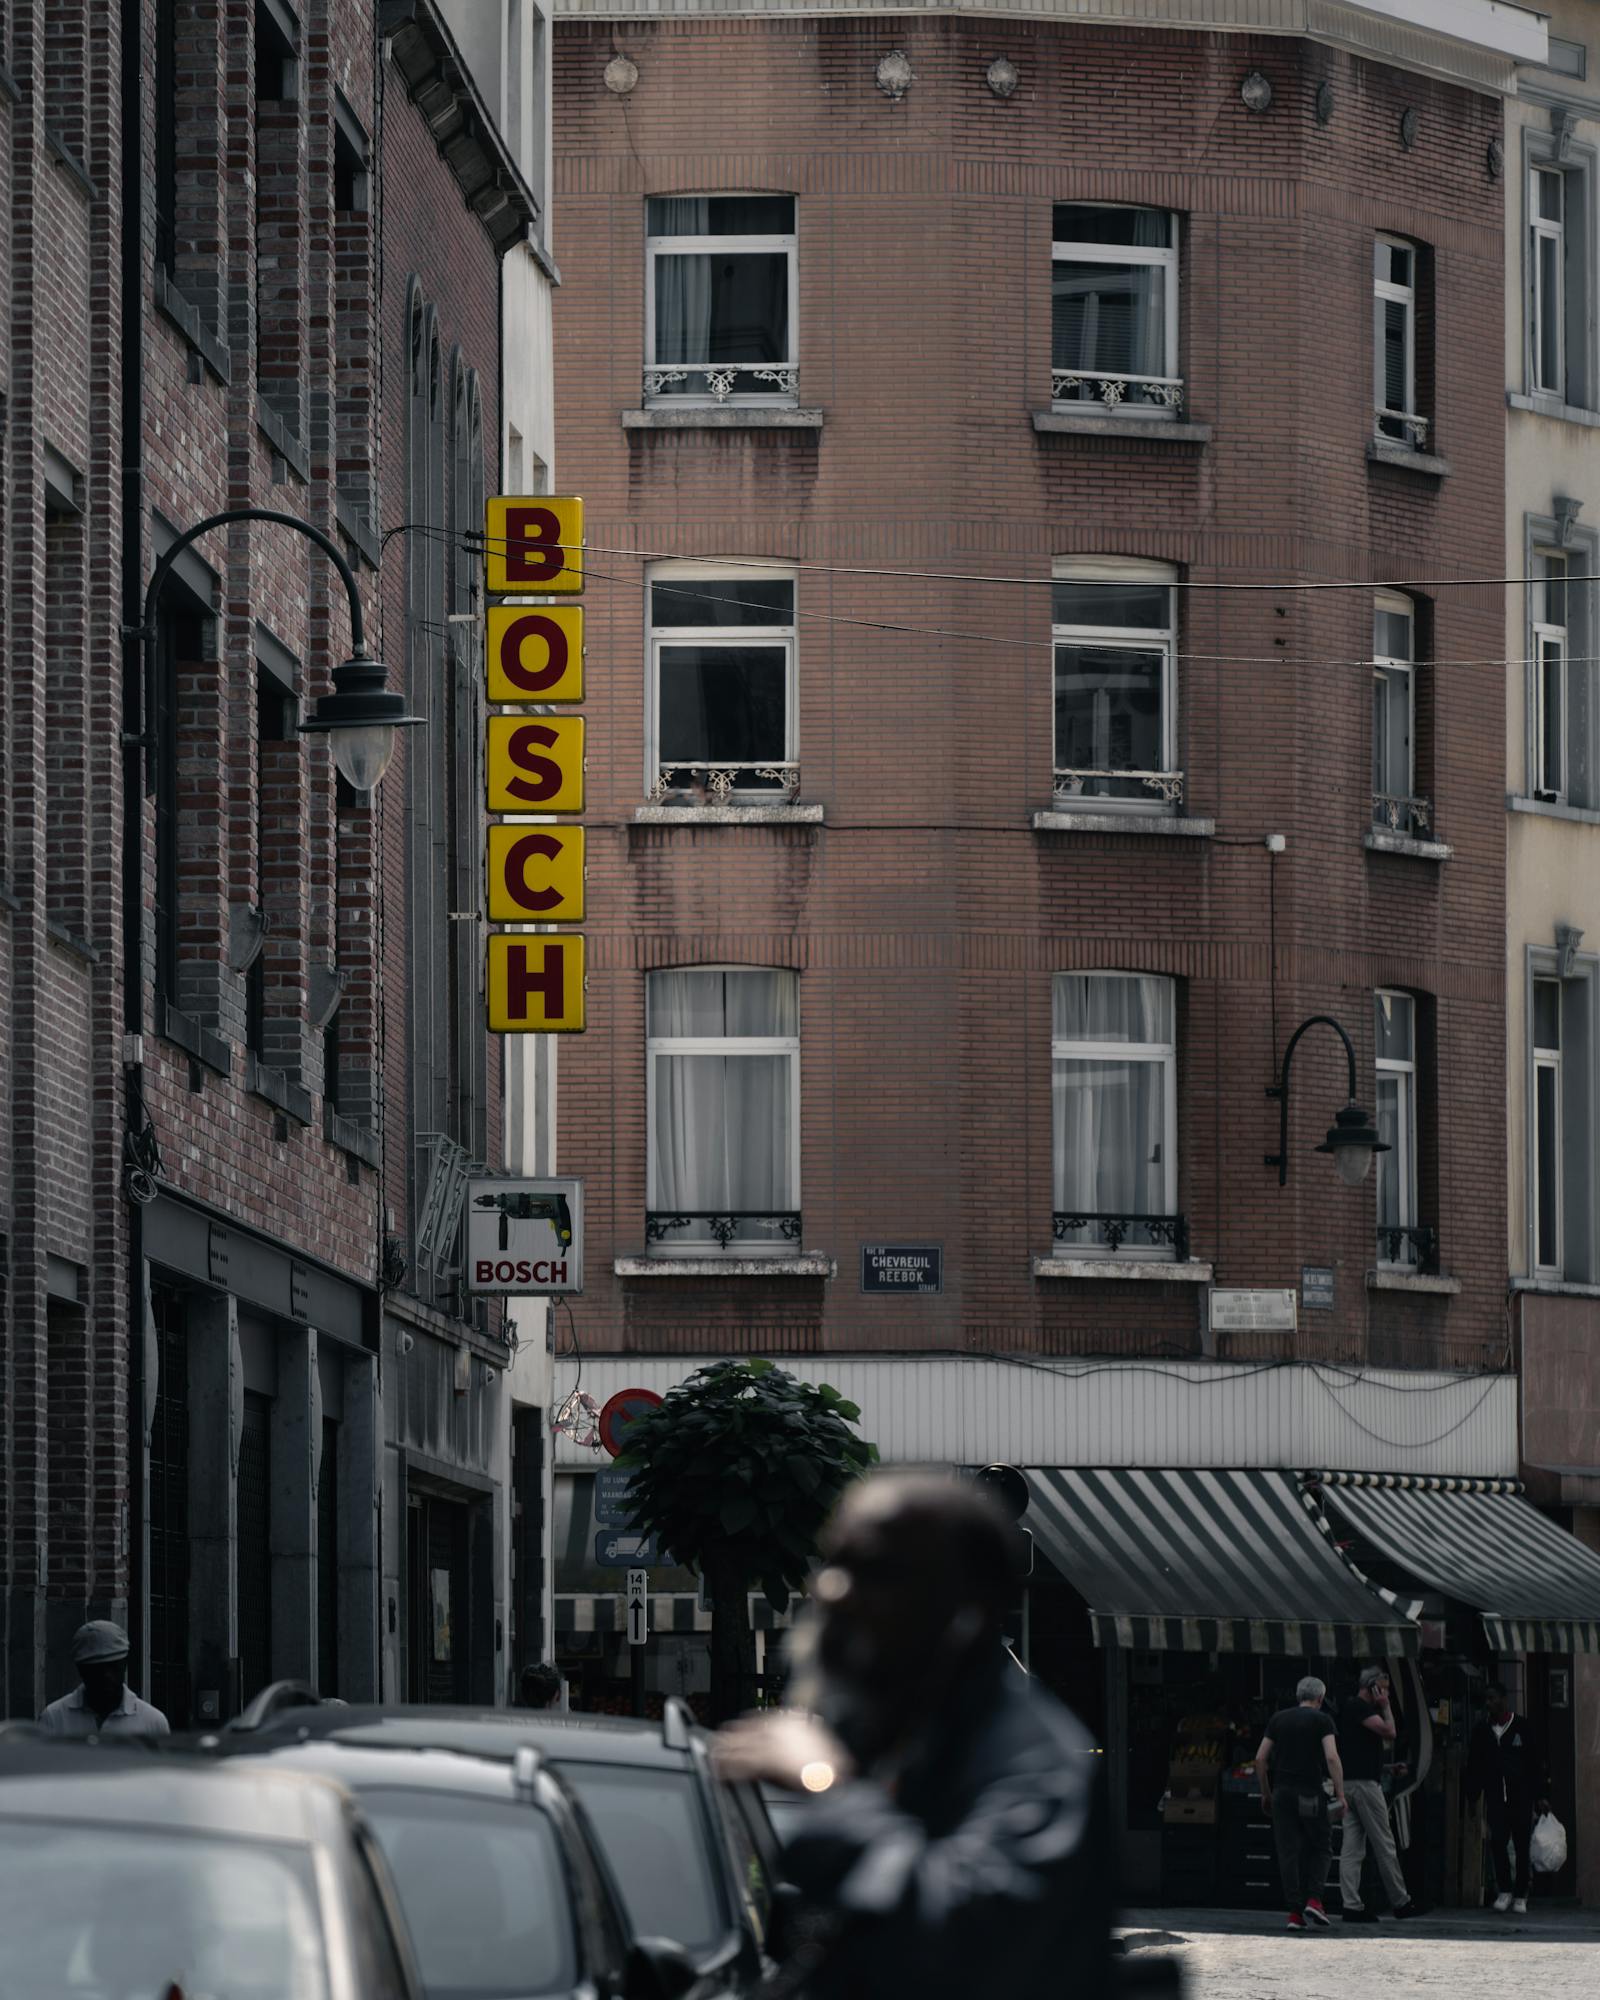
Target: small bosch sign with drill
{"type": "Point", "coordinates": [525, 1236]}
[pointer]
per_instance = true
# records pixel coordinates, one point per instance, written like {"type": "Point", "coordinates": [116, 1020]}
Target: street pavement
{"type": "Point", "coordinates": [1549, 1954]}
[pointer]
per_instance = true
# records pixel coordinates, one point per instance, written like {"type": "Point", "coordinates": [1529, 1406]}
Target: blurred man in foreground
{"type": "Point", "coordinates": [104, 1705]}
{"type": "Point", "coordinates": [959, 1832]}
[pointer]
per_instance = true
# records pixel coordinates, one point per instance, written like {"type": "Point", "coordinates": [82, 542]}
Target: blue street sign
{"type": "Point", "coordinates": [611, 1498]}
{"type": "Point", "coordinates": [625, 1551]}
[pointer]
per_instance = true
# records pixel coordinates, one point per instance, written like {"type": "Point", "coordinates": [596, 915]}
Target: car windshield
{"type": "Point", "coordinates": [483, 1892]}
{"type": "Point", "coordinates": [654, 1834]}
{"type": "Point", "coordinates": [140, 1912]}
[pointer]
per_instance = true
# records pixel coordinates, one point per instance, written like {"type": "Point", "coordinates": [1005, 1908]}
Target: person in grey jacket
{"type": "Point", "coordinates": [959, 1833]}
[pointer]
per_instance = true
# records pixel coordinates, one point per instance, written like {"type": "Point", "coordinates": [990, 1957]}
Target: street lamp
{"type": "Point", "coordinates": [360, 717]}
{"type": "Point", "coordinates": [1352, 1137]}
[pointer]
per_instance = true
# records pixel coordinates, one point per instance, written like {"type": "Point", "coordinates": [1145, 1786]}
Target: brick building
{"type": "Point", "coordinates": [237, 1367]}
{"type": "Point", "coordinates": [1036, 474]}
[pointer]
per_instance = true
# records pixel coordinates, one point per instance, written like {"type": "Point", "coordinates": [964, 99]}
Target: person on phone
{"type": "Point", "coordinates": [1366, 1730]}
{"type": "Point", "coordinates": [1298, 1753]}
{"type": "Point", "coordinates": [958, 1836]}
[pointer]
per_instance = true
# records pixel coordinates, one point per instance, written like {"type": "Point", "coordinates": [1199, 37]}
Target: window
{"type": "Point", "coordinates": [1114, 308]}
{"type": "Point", "coordinates": [1113, 626]}
{"type": "Point", "coordinates": [279, 235]}
{"type": "Point", "coordinates": [1550, 674]}
{"type": "Point", "coordinates": [1394, 790]}
{"type": "Point", "coordinates": [1400, 1241]}
{"type": "Point", "coordinates": [722, 676]}
{"type": "Point", "coordinates": [720, 298]}
{"type": "Point", "coordinates": [1547, 271]}
{"type": "Point", "coordinates": [1547, 1259]}
{"type": "Point", "coordinates": [1394, 322]}
{"type": "Point", "coordinates": [1114, 1115]}
{"type": "Point", "coordinates": [723, 1051]}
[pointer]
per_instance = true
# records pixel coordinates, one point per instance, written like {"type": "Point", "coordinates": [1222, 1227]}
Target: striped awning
{"type": "Point", "coordinates": [1536, 1587]}
{"type": "Point", "coordinates": [1200, 1561]}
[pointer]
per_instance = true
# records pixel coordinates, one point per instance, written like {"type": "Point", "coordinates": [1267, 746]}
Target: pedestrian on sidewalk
{"type": "Point", "coordinates": [1505, 1765]}
{"type": "Point", "coordinates": [1300, 1751]}
{"type": "Point", "coordinates": [958, 1841]}
{"type": "Point", "coordinates": [104, 1704]}
{"type": "Point", "coordinates": [1366, 1729]}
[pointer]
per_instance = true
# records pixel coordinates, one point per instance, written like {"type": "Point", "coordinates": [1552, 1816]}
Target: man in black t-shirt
{"type": "Point", "coordinates": [1301, 1749]}
{"type": "Point", "coordinates": [1366, 1729]}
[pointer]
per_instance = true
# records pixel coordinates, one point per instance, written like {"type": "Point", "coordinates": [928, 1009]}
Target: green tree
{"type": "Point", "coordinates": [735, 1472]}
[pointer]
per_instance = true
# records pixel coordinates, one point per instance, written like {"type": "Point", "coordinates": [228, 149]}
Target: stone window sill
{"type": "Point", "coordinates": [284, 441]}
{"type": "Point", "coordinates": [1519, 802]}
{"type": "Point", "coordinates": [1389, 451]}
{"type": "Point", "coordinates": [1553, 406]}
{"type": "Point", "coordinates": [355, 524]}
{"type": "Point", "coordinates": [278, 1089]}
{"type": "Point", "coordinates": [1556, 1288]}
{"type": "Point", "coordinates": [201, 1043]}
{"type": "Point", "coordinates": [725, 1267]}
{"type": "Point", "coordinates": [1378, 840]}
{"type": "Point", "coordinates": [1390, 1279]}
{"type": "Point", "coordinates": [1167, 825]}
{"type": "Point", "coordinates": [1151, 1270]}
{"type": "Point", "coordinates": [173, 306]}
{"type": "Point", "coordinates": [350, 1137]}
{"type": "Point", "coordinates": [70, 941]}
{"type": "Point", "coordinates": [779, 812]}
{"type": "Point", "coordinates": [70, 164]}
{"type": "Point", "coordinates": [1097, 424]}
{"type": "Point", "coordinates": [721, 417]}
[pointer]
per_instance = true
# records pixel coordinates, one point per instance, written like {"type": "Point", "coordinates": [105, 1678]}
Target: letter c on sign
{"type": "Point", "coordinates": [531, 847]}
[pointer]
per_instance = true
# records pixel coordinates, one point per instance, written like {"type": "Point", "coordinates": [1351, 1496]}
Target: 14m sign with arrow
{"type": "Point", "coordinates": [637, 1600]}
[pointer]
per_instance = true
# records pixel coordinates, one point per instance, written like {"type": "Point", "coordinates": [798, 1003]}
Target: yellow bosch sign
{"type": "Point", "coordinates": [533, 546]}
{"type": "Point", "coordinates": [535, 763]}
{"type": "Point", "coordinates": [535, 874]}
{"type": "Point", "coordinates": [535, 984]}
{"type": "Point", "coordinates": [535, 652]}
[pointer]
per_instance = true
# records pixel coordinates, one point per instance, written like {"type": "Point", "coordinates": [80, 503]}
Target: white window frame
{"type": "Point", "coordinates": [1385, 291]}
{"type": "Point", "coordinates": [1126, 638]}
{"type": "Point", "coordinates": [1547, 1060]}
{"type": "Point", "coordinates": [1386, 666]}
{"type": "Point", "coordinates": [1550, 641]}
{"type": "Point", "coordinates": [1405, 1132]}
{"type": "Point", "coordinates": [690, 246]}
{"type": "Point", "coordinates": [1541, 229]}
{"type": "Point", "coordinates": [1165, 1054]}
{"type": "Point", "coordinates": [1152, 256]}
{"type": "Point", "coordinates": [657, 636]}
{"type": "Point", "coordinates": [722, 1045]}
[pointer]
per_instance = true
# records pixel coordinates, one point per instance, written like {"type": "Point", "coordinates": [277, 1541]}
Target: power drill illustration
{"type": "Point", "coordinates": [551, 1208]}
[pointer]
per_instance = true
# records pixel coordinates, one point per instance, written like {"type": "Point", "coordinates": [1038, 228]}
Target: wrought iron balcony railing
{"type": "Point", "coordinates": [1412, 1246]}
{"type": "Point", "coordinates": [720, 381]}
{"type": "Point", "coordinates": [718, 783]}
{"type": "Point", "coordinates": [1077, 785]}
{"type": "Point", "coordinates": [725, 1226]}
{"type": "Point", "coordinates": [1401, 815]}
{"type": "Point", "coordinates": [1112, 1232]}
{"type": "Point", "coordinates": [1403, 427]}
{"type": "Point", "coordinates": [1083, 385]}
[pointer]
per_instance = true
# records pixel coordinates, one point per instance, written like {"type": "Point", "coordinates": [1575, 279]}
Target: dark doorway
{"type": "Point", "coordinates": [169, 1510]}
{"type": "Point", "coordinates": [439, 1627]}
{"type": "Point", "coordinates": [328, 1561]}
{"type": "Point", "coordinates": [255, 1545]}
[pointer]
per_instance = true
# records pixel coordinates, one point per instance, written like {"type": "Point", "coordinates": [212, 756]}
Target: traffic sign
{"type": "Point", "coordinates": [535, 763]}
{"type": "Point", "coordinates": [619, 1412]}
{"type": "Point", "coordinates": [637, 1598]}
{"type": "Point", "coordinates": [535, 652]}
{"type": "Point", "coordinates": [612, 1504]}
{"type": "Point", "coordinates": [533, 542]}
{"type": "Point", "coordinates": [535, 874]}
{"type": "Point", "coordinates": [535, 984]}
{"type": "Point", "coordinates": [622, 1549]}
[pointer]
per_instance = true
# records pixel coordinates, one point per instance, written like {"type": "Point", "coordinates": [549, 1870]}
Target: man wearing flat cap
{"type": "Point", "coordinates": [104, 1705]}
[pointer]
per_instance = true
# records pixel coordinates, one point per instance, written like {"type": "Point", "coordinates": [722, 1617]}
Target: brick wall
{"type": "Point", "coordinates": [926, 917]}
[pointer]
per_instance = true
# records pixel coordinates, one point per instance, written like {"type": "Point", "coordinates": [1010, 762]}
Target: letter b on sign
{"type": "Point", "coordinates": [535, 984]}
{"type": "Point", "coordinates": [533, 544]}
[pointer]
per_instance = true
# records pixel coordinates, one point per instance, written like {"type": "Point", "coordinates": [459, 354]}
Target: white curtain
{"type": "Point", "coordinates": [683, 284]}
{"type": "Point", "coordinates": [723, 1131]}
{"type": "Point", "coordinates": [1109, 1116]}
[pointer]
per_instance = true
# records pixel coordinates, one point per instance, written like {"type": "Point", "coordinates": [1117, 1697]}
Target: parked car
{"type": "Point", "coordinates": [691, 1860]}
{"type": "Point", "coordinates": [144, 1872]}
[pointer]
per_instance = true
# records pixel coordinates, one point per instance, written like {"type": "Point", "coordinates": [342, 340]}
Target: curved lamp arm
{"type": "Point", "coordinates": [1280, 1089]}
